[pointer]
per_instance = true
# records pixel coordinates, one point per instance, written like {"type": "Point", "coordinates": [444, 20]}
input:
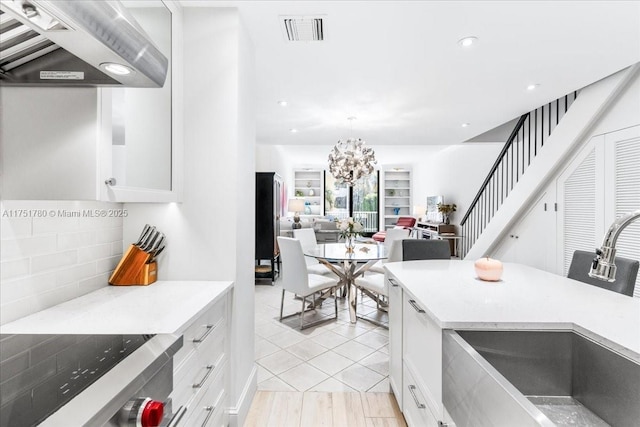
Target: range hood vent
{"type": "Point", "coordinates": [303, 28]}
{"type": "Point", "coordinates": [76, 43]}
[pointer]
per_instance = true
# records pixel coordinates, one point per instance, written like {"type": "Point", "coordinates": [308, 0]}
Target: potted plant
{"type": "Point", "coordinates": [446, 211]}
{"type": "Point", "coordinates": [349, 229]}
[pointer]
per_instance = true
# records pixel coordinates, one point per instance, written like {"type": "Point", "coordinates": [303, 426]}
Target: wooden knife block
{"type": "Point", "coordinates": [147, 274]}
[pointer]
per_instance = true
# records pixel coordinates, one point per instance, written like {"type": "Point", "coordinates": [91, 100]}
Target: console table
{"type": "Point", "coordinates": [433, 230]}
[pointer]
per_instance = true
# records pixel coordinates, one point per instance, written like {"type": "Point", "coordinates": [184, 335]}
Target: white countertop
{"type": "Point", "coordinates": [162, 307]}
{"type": "Point", "coordinates": [525, 298]}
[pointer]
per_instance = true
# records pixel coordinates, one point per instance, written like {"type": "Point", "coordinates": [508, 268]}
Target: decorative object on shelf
{"type": "Point", "coordinates": [299, 193]}
{"type": "Point", "coordinates": [349, 230]}
{"type": "Point", "coordinates": [308, 184]}
{"type": "Point", "coordinates": [396, 211]}
{"type": "Point", "coordinates": [392, 192]}
{"type": "Point", "coordinates": [307, 208]}
{"type": "Point", "coordinates": [350, 160]}
{"type": "Point", "coordinates": [488, 269]}
{"type": "Point", "coordinates": [311, 192]}
{"type": "Point", "coordinates": [296, 206]}
{"type": "Point", "coordinates": [446, 211]}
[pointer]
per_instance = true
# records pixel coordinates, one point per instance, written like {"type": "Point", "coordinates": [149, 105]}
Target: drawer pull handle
{"type": "Point", "coordinates": [209, 369]}
{"type": "Point", "coordinates": [209, 409]}
{"type": "Point", "coordinates": [393, 282]}
{"type": "Point", "coordinates": [175, 420]}
{"type": "Point", "coordinates": [415, 306]}
{"type": "Point", "coordinates": [205, 335]}
{"type": "Point", "coordinates": [412, 390]}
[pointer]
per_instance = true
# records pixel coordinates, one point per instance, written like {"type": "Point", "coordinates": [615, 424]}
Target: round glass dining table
{"type": "Point", "coordinates": [347, 265]}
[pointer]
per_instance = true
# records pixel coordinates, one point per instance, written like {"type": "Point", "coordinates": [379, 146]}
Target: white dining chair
{"type": "Point", "coordinates": [307, 239]}
{"type": "Point", "coordinates": [375, 282]}
{"type": "Point", "coordinates": [392, 235]}
{"type": "Point", "coordinates": [296, 279]}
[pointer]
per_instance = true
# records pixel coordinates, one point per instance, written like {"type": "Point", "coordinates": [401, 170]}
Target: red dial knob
{"type": "Point", "coordinates": [152, 413]}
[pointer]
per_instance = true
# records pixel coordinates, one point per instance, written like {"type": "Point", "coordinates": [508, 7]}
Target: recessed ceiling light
{"type": "Point", "coordinates": [467, 41]}
{"type": "Point", "coordinates": [533, 86]}
{"type": "Point", "coordinates": [283, 103]}
{"type": "Point", "coordinates": [464, 125]}
{"type": "Point", "coordinates": [293, 130]}
{"type": "Point", "coordinates": [118, 69]}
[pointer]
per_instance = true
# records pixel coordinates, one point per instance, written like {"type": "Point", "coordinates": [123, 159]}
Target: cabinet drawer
{"type": "Point", "coordinates": [422, 350]}
{"type": "Point", "coordinates": [196, 372]}
{"type": "Point", "coordinates": [208, 408]}
{"type": "Point", "coordinates": [200, 331]}
{"type": "Point", "coordinates": [415, 409]}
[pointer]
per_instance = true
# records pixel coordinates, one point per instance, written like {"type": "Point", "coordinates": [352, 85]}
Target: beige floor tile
{"type": "Point", "coordinates": [359, 377]}
{"type": "Point", "coordinates": [286, 339]}
{"type": "Point", "coordinates": [303, 377]}
{"type": "Point", "coordinates": [350, 330]}
{"type": "Point", "coordinates": [269, 329]}
{"type": "Point", "coordinates": [382, 387]}
{"type": "Point", "coordinates": [306, 349]}
{"type": "Point", "coordinates": [330, 339]}
{"type": "Point", "coordinates": [279, 362]}
{"type": "Point", "coordinates": [263, 374]}
{"type": "Point", "coordinates": [330, 362]}
{"type": "Point", "coordinates": [332, 385]}
{"type": "Point", "coordinates": [372, 339]}
{"type": "Point", "coordinates": [274, 384]}
{"type": "Point", "coordinates": [378, 362]}
{"type": "Point", "coordinates": [353, 350]}
{"type": "Point", "coordinates": [264, 348]}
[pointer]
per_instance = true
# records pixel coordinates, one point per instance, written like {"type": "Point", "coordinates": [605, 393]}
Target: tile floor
{"type": "Point", "coordinates": [336, 356]}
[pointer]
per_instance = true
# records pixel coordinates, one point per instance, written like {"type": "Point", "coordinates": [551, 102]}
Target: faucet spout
{"type": "Point", "coordinates": [604, 267]}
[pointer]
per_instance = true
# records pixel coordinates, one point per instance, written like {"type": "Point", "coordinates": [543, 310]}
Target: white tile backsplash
{"type": "Point", "coordinates": [53, 251]}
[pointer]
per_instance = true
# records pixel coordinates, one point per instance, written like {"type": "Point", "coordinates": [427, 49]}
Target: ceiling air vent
{"type": "Point", "coordinates": [303, 28]}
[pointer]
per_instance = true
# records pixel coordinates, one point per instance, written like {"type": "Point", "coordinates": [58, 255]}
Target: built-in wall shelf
{"type": "Point", "coordinates": [396, 194]}
{"type": "Point", "coordinates": [308, 184]}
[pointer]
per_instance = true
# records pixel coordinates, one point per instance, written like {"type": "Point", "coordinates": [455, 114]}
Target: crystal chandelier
{"type": "Point", "coordinates": [350, 160]}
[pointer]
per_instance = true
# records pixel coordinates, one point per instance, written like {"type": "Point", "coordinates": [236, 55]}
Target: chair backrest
{"type": "Point", "coordinates": [395, 234]}
{"type": "Point", "coordinates": [406, 222]}
{"type": "Point", "coordinates": [395, 251]}
{"type": "Point", "coordinates": [626, 273]}
{"type": "Point", "coordinates": [306, 236]}
{"type": "Point", "coordinates": [415, 249]}
{"type": "Point", "coordinates": [294, 269]}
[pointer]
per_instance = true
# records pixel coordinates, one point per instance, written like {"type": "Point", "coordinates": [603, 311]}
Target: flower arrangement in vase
{"type": "Point", "coordinates": [446, 210]}
{"type": "Point", "coordinates": [349, 230]}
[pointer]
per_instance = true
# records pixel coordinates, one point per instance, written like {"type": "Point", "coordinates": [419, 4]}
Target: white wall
{"type": "Point", "coordinates": [622, 113]}
{"type": "Point", "coordinates": [210, 235]}
{"type": "Point", "coordinates": [53, 251]}
{"type": "Point", "coordinates": [454, 172]}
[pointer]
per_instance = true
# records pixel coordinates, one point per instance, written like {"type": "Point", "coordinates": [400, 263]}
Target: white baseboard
{"type": "Point", "coordinates": [238, 413]}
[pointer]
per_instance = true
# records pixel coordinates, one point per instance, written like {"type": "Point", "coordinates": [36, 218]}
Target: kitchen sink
{"type": "Point", "coordinates": [537, 378]}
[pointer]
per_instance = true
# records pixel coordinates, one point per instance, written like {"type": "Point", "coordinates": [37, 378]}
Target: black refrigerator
{"type": "Point", "coordinates": [268, 208]}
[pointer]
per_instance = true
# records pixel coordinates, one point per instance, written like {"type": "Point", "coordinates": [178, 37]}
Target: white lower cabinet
{"type": "Point", "coordinates": [415, 358]}
{"type": "Point", "coordinates": [200, 374]}
{"type": "Point", "coordinates": [395, 338]}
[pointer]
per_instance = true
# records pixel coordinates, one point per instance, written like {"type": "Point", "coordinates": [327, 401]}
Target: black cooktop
{"type": "Point", "coordinates": [41, 373]}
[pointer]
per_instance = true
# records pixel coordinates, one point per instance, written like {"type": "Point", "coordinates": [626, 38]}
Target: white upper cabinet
{"type": "Point", "coordinates": [63, 143]}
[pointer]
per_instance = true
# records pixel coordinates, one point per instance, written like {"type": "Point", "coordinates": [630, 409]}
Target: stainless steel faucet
{"type": "Point", "coordinates": [604, 267]}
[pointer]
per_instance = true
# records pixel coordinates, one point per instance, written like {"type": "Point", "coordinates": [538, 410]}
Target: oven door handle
{"type": "Point", "coordinates": [177, 417]}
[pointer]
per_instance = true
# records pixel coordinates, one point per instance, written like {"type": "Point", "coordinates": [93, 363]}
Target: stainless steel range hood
{"type": "Point", "coordinates": [76, 43]}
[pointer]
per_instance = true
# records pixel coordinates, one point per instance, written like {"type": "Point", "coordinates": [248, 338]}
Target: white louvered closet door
{"type": "Point", "coordinates": [625, 145]}
{"type": "Point", "coordinates": [577, 198]}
